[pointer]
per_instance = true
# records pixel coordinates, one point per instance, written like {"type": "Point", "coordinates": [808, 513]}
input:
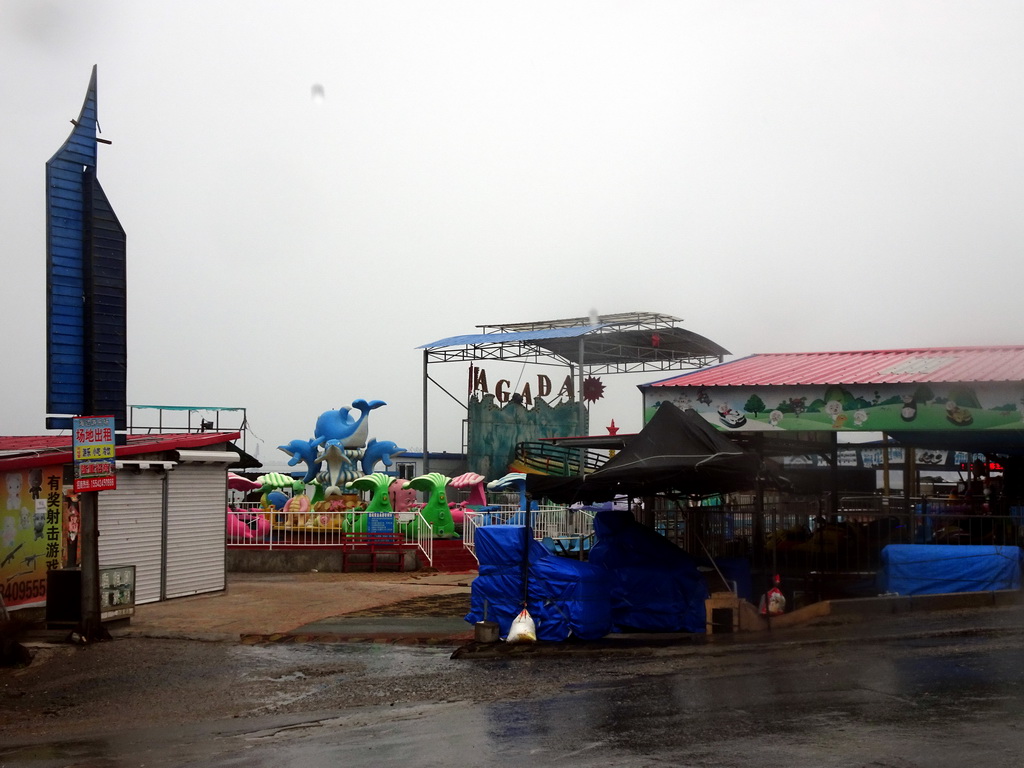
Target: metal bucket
{"type": "Point", "coordinates": [485, 631]}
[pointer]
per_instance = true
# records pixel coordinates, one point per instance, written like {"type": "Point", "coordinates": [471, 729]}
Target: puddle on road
{"type": "Point", "coordinates": [812, 710]}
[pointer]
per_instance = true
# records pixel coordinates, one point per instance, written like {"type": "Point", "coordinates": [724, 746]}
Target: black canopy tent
{"type": "Point", "coordinates": [677, 454]}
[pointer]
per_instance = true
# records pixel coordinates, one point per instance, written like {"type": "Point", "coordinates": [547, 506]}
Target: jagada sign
{"type": "Point", "coordinates": [505, 392]}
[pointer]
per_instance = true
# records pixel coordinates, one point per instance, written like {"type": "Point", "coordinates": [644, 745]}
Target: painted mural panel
{"type": "Point", "coordinates": [494, 430]}
{"type": "Point", "coordinates": [30, 534]}
{"type": "Point", "coordinates": [851, 408]}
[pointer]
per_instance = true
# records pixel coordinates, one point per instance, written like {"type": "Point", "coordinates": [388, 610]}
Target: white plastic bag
{"type": "Point", "coordinates": [773, 603]}
{"type": "Point", "coordinates": [523, 630]}
{"type": "Point", "coordinates": [776, 603]}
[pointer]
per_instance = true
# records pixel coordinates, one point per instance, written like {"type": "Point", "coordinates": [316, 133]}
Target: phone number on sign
{"type": "Point", "coordinates": [23, 590]}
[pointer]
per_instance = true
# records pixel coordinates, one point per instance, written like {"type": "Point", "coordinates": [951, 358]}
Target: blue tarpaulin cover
{"type": "Point", "coordinates": [930, 569]}
{"type": "Point", "coordinates": [567, 598]}
{"type": "Point", "coordinates": [656, 586]}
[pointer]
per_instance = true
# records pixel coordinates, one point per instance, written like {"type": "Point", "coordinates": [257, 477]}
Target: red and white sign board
{"type": "Point", "coordinates": [95, 460]}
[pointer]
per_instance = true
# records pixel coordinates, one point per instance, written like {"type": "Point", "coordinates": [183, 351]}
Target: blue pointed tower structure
{"type": "Point", "coordinates": [86, 286]}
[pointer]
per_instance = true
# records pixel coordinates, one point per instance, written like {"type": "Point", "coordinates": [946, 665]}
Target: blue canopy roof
{"type": "Point", "coordinates": [513, 337]}
{"type": "Point", "coordinates": [623, 343]}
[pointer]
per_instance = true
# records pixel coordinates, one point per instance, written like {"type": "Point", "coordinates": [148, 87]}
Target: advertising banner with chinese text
{"type": "Point", "coordinates": [31, 537]}
{"type": "Point", "coordinates": [95, 460]}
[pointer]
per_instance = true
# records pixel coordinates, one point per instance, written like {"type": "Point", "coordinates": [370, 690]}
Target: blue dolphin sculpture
{"type": "Point", "coordinates": [340, 428]}
{"type": "Point", "coordinates": [303, 450]}
{"type": "Point", "coordinates": [376, 451]}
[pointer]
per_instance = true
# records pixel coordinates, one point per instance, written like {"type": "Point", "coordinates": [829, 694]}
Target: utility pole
{"type": "Point", "coordinates": [90, 626]}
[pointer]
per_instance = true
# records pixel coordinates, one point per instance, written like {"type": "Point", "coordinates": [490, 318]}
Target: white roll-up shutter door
{"type": "Point", "coordinates": [130, 524]}
{"type": "Point", "coordinates": [196, 499]}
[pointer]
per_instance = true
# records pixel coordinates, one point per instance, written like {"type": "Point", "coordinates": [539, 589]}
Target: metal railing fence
{"type": "Point", "coordinates": [810, 544]}
{"type": "Point", "coordinates": [558, 460]}
{"type": "Point", "coordinates": [570, 530]}
{"type": "Point", "coordinates": [801, 537]}
{"type": "Point", "coordinates": [262, 529]}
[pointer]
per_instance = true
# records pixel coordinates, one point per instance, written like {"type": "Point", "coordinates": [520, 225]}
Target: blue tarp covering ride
{"type": "Point", "coordinates": [635, 581]}
{"type": "Point", "coordinates": [931, 569]}
{"type": "Point", "coordinates": [567, 598]}
{"type": "Point", "coordinates": [656, 586]}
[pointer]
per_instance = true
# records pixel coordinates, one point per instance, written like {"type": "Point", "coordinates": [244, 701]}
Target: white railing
{"type": "Point", "coordinates": [569, 530]}
{"type": "Point", "coordinates": [562, 523]}
{"type": "Point", "coordinates": [425, 538]}
{"type": "Point", "coordinates": [469, 525]}
{"type": "Point", "coordinates": [253, 526]}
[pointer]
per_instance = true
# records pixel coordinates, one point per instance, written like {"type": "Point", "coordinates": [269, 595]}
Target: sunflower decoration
{"type": "Point", "coordinates": [593, 389]}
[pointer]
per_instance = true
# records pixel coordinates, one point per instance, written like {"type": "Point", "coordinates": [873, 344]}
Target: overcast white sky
{"type": "Point", "coordinates": [783, 176]}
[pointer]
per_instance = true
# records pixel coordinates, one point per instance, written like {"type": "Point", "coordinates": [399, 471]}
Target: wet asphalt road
{"type": "Point", "coordinates": [928, 700]}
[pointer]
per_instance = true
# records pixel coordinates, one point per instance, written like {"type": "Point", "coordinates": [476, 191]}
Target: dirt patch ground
{"type": "Point", "coordinates": [437, 606]}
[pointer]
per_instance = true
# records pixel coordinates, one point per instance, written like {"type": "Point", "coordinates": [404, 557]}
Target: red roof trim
{"type": "Point", "coordinates": [893, 366]}
{"type": "Point", "coordinates": [26, 452]}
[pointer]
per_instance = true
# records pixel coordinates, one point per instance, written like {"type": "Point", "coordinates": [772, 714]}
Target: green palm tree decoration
{"type": "Point", "coordinates": [435, 511]}
{"type": "Point", "coordinates": [378, 483]}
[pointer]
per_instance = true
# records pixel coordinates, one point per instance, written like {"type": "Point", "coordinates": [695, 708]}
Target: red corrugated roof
{"type": "Point", "coordinates": [26, 451]}
{"type": "Point", "coordinates": [888, 366]}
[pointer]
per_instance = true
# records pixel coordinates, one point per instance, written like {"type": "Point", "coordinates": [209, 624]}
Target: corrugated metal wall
{"type": "Point", "coordinates": [65, 274]}
{"type": "Point", "coordinates": [197, 498]}
{"type": "Point", "coordinates": [131, 529]}
{"type": "Point", "coordinates": [86, 285]}
{"type": "Point", "coordinates": [106, 305]}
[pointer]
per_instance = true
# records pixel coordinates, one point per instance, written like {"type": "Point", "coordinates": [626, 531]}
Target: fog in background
{"type": "Point", "coordinates": [312, 190]}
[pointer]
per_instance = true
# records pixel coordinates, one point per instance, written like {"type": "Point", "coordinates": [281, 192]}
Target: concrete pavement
{"type": "Point", "coordinates": [428, 608]}
{"type": "Point", "coordinates": [281, 607]}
